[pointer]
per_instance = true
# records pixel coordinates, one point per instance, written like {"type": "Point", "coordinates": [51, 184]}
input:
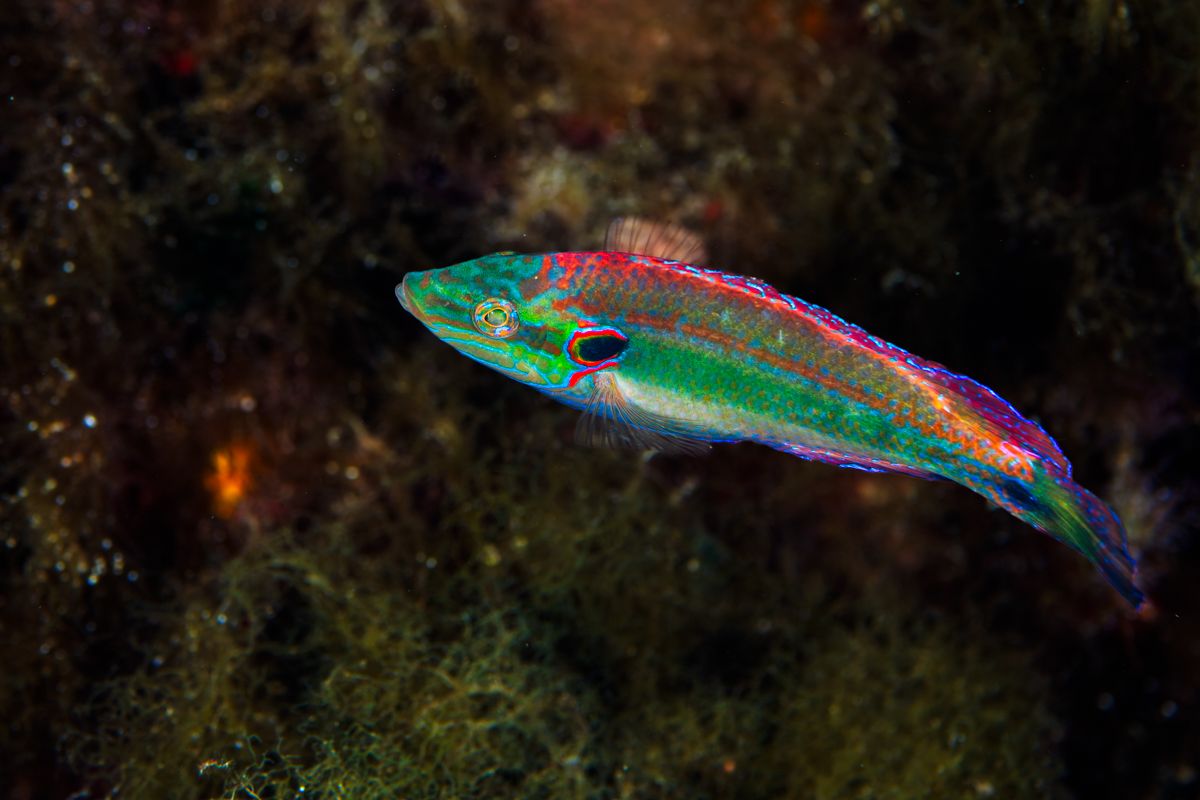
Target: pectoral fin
{"type": "Point", "coordinates": [609, 419]}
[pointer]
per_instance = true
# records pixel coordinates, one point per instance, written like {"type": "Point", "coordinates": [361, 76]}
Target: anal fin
{"type": "Point", "coordinates": [864, 463]}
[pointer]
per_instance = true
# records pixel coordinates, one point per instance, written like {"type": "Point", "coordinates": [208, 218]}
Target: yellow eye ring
{"type": "Point", "coordinates": [496, 317]}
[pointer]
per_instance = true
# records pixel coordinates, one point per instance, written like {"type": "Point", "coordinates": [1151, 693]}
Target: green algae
{"type": "Point", "coordinates": [290, 675]}
{"type": "Point", "coordinates": [301, 683]}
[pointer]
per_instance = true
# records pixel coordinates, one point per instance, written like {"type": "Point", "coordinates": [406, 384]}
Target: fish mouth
{"type": "Point", "coordinates": [404, 295]}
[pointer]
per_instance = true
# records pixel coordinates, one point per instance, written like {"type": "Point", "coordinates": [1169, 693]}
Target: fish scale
{"type": "Point", "coordinates": [691, 355]}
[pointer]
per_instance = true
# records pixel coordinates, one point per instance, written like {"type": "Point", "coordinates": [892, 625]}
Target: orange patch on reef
{"type": "Point", "coordinates": [814, 22]}
{"type": "Point", "coordinates": [230, 478]}
{"type": "Point", "coordinates": [766, 20]}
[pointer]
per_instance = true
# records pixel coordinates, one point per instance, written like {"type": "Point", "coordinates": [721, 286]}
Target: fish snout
{"type": "Point", "coordinates": [405, 295]}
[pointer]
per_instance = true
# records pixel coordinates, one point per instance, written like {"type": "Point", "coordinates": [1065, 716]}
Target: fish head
{"type": "Point", "coordinates": [512, 313]}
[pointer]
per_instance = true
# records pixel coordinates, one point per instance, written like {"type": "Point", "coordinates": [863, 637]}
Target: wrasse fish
{"type": "Point", "coordinates": [662, 354]}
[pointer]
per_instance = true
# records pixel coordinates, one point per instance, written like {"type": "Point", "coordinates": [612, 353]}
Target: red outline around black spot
{"type": "Point", "coordinates": [590, 333]}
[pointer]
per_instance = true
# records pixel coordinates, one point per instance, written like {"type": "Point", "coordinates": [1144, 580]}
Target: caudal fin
{"type": "Point", "coordinates": [1056, 505]}
{"type": "Point", "coordinates": [1091, 517]}
{"type": "Point", "coordinates": [1075, 516]}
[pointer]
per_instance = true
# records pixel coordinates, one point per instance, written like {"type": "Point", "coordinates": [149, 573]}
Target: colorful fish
{"type": "Point", "coordinates": [664, 355]}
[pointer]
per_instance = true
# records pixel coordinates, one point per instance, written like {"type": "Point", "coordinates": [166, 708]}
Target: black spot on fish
{"type": "Point", "coordinates": [1020, 496]}
{"type": "Point", "coordinates": [593, 348]}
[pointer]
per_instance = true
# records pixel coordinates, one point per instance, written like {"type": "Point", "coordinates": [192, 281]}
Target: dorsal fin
{"type": "Point", "coordinates": [610, 420]}
{"type": "Point", "coordinates": [996, 413]}
{"type": "Point", "coordinates": [643, 237]}
{"type": "Point", "coordinates": [993, 410]}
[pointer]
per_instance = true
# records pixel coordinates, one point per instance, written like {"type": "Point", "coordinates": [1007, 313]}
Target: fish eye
{"type": "Point", "coordinates": [496, 317]}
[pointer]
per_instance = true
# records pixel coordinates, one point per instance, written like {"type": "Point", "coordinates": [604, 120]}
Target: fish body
{"type": "Point", "coordinates": [663, 354]}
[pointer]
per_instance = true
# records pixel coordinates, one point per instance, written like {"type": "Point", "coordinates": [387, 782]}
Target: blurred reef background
{"type": "Point", "coordinates": [264, 537]}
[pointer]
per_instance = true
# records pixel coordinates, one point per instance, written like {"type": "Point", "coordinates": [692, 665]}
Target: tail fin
{"type": "Point", "coordinates": [1090, 526]}
{"type": "Point", "coordinates": [1056, 505]}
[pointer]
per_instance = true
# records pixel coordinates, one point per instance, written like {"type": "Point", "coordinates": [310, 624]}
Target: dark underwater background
{"type": "Point", "coordinates": [264, 537]}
